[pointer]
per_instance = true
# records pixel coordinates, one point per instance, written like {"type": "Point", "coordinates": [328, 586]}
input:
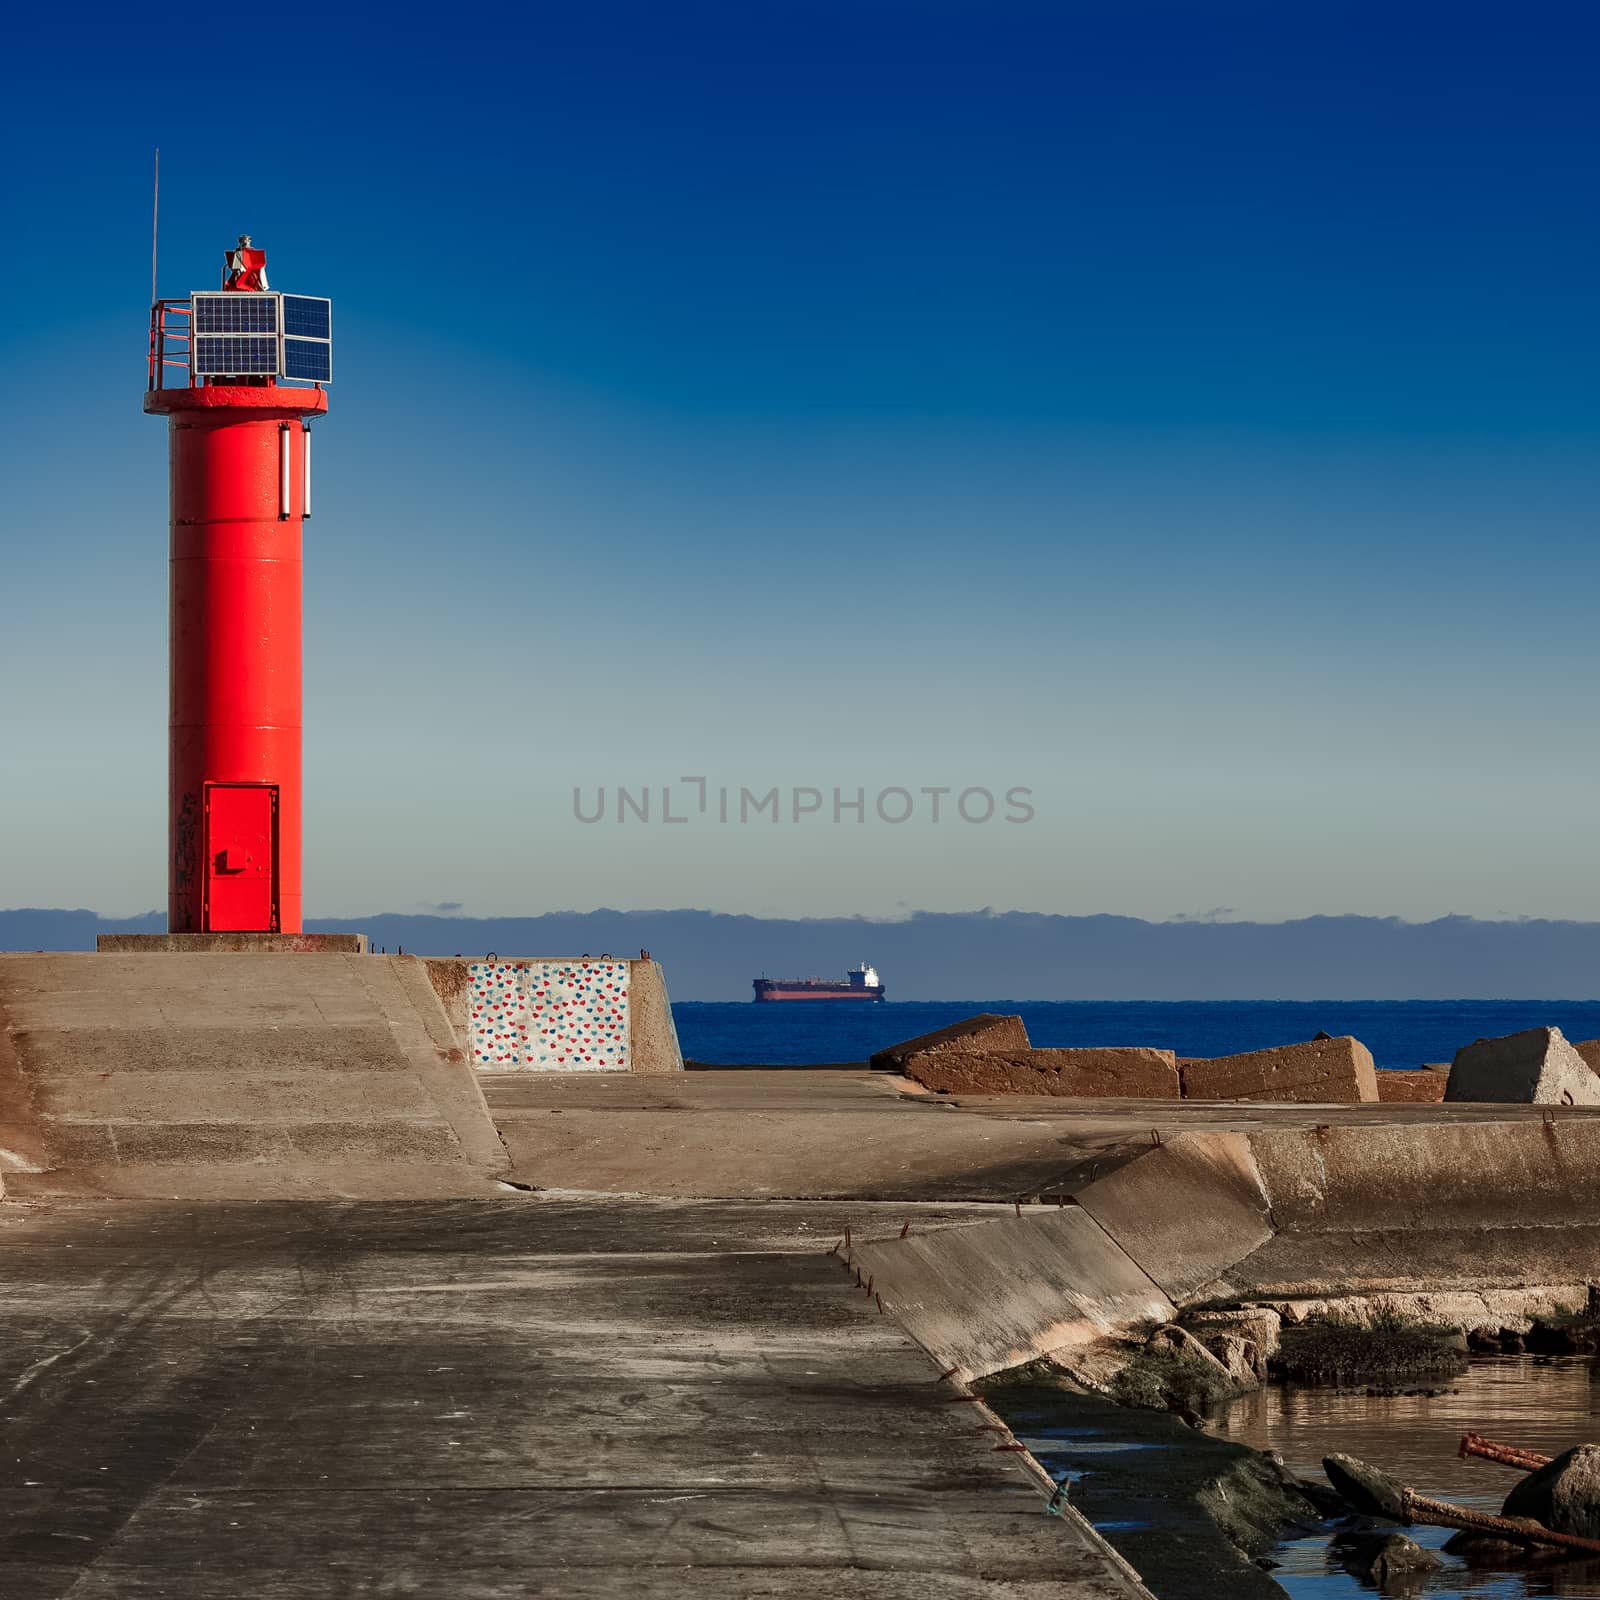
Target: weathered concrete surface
{"type": "Point", "coordinates": [767, 1135]}
{"type": "Point", "coordinates": [1319, 1071]}
{"type": "Point", "coordinates": [801, 1132]}
{"type": "Point", "coordinates": [1452, 1205]}
{"type": "Point", "coordinates": [1185, 1211]}
{"type": "Point", "coordinates": [986, 1031]}
{"type": "Point", "coordinates": [1535, 1067]}
{"type": "Point", "coordinates": [1422, 1088]}
{"type": "Point", "coordinates": [489, 1401]}
{"type": "Point", "coordinates": [1137, 1074]}
{"type": "Point", "coordinates": [992, 1296]}
{"type": "Point", "coordinates": [212, 1076]}
{"type": "Point", "coordinates": [1589, 1049]}
{"type": "Point", "coordinates": [158, 944]}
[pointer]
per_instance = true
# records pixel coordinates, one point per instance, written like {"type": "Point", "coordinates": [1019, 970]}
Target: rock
{"type": "Point", "coordinates": [1383, 1557]}
{"type": "Point", "coordinates": [1488, 1550]}
{"type": "Point", "coordinates": [1111, 1073]}
{"type": "Point", "coordinates": [1244, 1361]}
{"type": "Point", "coordinates": [1261, 1325]}
{"type": "Point", "coordinates": [1320, 1071]}
{"type": "Point", "coordinates": [1180, 1342]}
{"type": "Point", "coordinates": [1365, 1488]}
{"type": "Point", "coordinates": [1564, 1494]}
{"type": "Point", "coordinates": [1410, 1087]}
{"type": "Point", "coordinates": [1535, 1067]}
{"type": "Point", "coordinates": [986, 1031]}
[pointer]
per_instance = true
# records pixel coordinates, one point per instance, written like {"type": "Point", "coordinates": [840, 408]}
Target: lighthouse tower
{"type": "Point", "coordinates": [238, 373]}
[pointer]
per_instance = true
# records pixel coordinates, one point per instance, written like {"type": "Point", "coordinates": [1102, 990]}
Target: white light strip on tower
{"type": "Point", "coordinates": [283, 472]}
{"type": "Point", "coordinates": [305, 471]}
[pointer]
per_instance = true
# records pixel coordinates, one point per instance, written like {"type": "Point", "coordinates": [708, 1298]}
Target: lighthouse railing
{"type": "Point", "coordinates": [171, 342]}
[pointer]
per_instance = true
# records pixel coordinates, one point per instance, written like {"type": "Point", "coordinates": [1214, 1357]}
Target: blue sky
{"type": "Point", "coordinates": [1185, 412]}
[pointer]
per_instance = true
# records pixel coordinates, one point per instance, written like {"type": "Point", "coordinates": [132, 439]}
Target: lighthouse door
{"type": "Point", "coordinates": [241, 858]}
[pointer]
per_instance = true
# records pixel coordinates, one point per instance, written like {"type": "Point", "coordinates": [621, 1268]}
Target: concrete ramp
{"type": "Point", "coordinates": [211, 1076]}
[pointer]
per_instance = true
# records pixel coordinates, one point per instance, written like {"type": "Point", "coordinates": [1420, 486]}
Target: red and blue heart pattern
{"type": "Point", "coordinates": [550, 1016]}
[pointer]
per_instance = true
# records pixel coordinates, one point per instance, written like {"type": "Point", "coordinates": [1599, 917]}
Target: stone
{"type": "Point", "coordinates": [1244, 1361]}
{"type": "Point", "coordinates": [1383, 1557]}
{"type": "Point", "coordinates": [1535, 1067]}
{"type": "Point", "coordinates": [986, 1031]}
{"type": "Point", "coordinates": [1180, 1342]}
{"type": "Point", "coordinates": [1261, 1325]}
{"type": "Point", "coordinates": [1410, 1087]}
{"type": "Point", "coordinates": [1135, 1074]}
{"type": "Point", "coordinates": [1320, 1071]}
{"type": "Point", "coordinates": [1564, 1494]}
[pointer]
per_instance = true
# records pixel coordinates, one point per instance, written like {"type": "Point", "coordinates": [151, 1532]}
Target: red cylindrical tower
{"type": "Point", "coordinates": [239, 464]}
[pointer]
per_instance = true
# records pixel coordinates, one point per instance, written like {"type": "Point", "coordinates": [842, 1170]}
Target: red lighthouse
{"type": "Point", "coordinates": [252, 365]}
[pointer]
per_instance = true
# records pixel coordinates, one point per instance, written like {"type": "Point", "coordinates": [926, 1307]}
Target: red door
{"type": "Point", "coordinates": [241, 858]}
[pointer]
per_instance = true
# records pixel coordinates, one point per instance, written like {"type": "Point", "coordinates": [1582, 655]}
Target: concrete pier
{"type": "Point", "coordinates": [486, 1400]}
{"type": "Point", "coordinates": [294, 1304]}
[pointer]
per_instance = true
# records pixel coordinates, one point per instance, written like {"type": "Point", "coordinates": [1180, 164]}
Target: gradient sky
{"type": "Point", "coordinates": [1185, 411]}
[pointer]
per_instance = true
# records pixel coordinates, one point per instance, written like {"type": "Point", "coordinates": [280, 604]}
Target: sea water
{"type": "Point", "coordinates": [1540, 1403]}
{"type": "Point", "coordinates": [1399, 1033]}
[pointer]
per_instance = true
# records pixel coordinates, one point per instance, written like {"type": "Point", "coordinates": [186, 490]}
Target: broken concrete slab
{"type": "Point", "coordinates": [1319, 1071]}
{"type": "Point", "coordinates": [1415, 1088]}
{"type": "Point", "coordinates": [1134, 1073]}
{"type": "Point", "coordinates": [986, 1031]}
{"type": "Point", "coordinates": [1262, 1326]}
{"type": "Point", "coordinates": [1535, 1067]}
{"type": "Point", "coordinates": [1185, 1210]}
{"type": "Point", "coordinates": [1000, 1293]}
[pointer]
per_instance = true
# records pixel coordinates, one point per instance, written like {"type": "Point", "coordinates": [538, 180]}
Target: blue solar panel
{"type": "Point", "coordinates": [307, 316]}
{"type": "Point", "coordinates": [236, 313]}
{"type": "Point", "coordinates": [233, 356]}
{"type": "Point", "coordinates": [311, 359]}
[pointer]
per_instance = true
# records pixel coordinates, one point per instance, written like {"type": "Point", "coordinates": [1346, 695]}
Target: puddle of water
{"type": "Point", "coordinates": [1546, 1404]}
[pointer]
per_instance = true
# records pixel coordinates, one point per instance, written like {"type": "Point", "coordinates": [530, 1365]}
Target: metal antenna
{"type": "Point", "coordinates": [155, 219]}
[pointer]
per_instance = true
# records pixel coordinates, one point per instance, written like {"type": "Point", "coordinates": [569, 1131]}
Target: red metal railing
{"type": "Point", "coordinates": [181, 339]}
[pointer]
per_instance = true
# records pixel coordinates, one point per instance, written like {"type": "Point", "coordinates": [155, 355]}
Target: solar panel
{"type": "Point", "coordinates": [311, 359]}
{"type": "Point", "coordinates": [235, 313]}
{"type": "Point", "coordinates": [225, 356]}
{"type": "Point", "coordinates": [307, 316]}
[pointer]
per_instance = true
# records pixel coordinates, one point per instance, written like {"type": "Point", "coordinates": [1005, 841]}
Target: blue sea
{"type": "Point", "coordinates": [1399, 1033]}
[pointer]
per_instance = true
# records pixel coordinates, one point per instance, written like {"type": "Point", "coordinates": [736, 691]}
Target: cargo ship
{"type": "Point", "coordinates": [860, 983]}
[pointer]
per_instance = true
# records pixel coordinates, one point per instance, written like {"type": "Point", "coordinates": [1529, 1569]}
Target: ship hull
{"type": "Point", "coordinates": [785, 992]}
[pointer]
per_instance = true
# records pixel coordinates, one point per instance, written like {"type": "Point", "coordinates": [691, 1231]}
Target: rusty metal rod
{"type": "Point", "coordinates": [1508, 1455]}
{"type": "Point", "coordinates": [1441, 1514]}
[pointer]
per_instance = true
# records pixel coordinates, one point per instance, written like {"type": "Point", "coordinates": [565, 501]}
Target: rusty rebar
{"type": "Point", "coordinates": [1441, 1514]}
{"type": "Point", "coordinates": [1508, 1455]}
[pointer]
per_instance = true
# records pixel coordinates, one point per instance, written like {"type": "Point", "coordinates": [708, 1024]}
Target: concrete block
{"type": "Point", "coordinates": [996, 1295]}
{"type": "Point", "coordinates": [559, 1014]}
{"type": "Point", "coordinates": [195, 1074]}
{"type": "Point", "coordinates": [1320, 1071]}
{"type": "Point", "coordinates": [986, 1031]}
{"type": "Point", "coordinates": [1112, 1073]}
{"type": "Point", "coordinates": [1589, 1049]}
{"type": "Point", "coordinates": [1186, 1210]}
{"type": "Point", "coordinates": [1535, 1067]}
{"type": "Point", "coordinates": [1410, 1088]}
